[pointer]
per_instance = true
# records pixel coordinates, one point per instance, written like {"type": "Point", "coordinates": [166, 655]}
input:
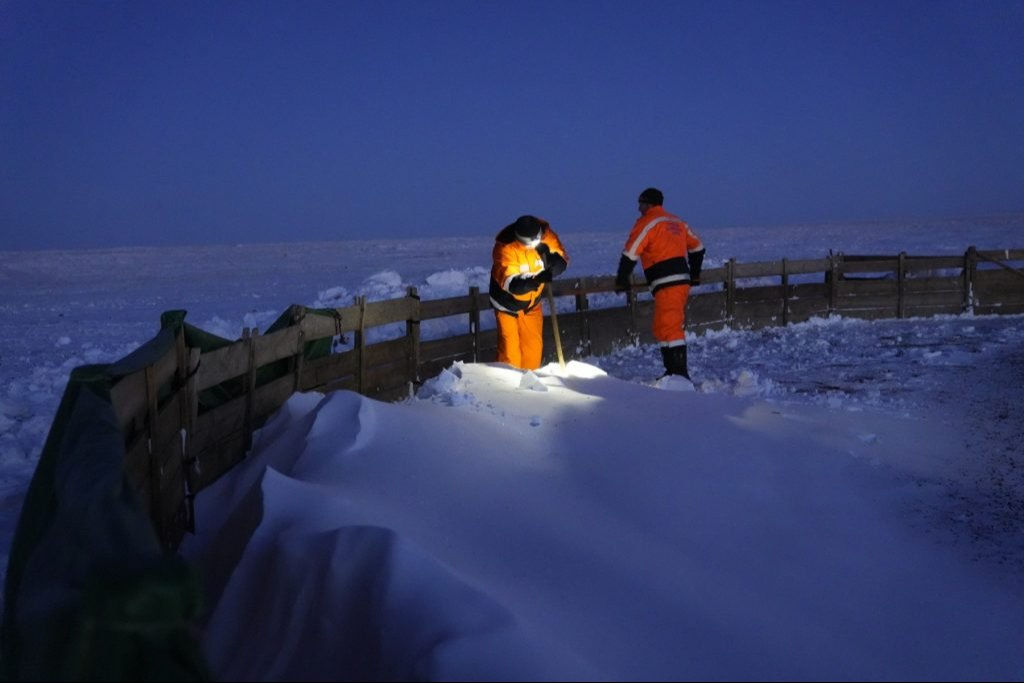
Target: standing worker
{"type": "Point", "coordinates": [527, 255]}
{"type": "Point", "coordinates": [671, 256]}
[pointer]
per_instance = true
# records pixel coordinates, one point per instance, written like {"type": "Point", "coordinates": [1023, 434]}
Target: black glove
{"type": "Point", "coordinates": [521, 284]}
{"type": "Point", "coordinates": [694, 281]}
{"type": "Point", "coordinates": [544, 275]}
{"type": "Point", "coordinates": [622, 276]}
{"type": "Point", "coordinates": [543, 249]}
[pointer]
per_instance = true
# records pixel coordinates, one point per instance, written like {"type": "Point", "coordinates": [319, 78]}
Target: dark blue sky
{"type": "Point", "coordinates": [129, 123]}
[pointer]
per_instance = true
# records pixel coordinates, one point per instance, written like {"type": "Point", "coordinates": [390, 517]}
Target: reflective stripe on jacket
{"type": "Point", "coordinates": [665, 246]}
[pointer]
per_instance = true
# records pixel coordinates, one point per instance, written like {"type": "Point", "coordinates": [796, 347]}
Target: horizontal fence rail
{"type": "Point", "coordinates": [189, 416]}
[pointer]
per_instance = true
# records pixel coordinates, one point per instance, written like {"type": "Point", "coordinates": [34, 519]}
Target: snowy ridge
{"type": "Point", "coordinates": [598, 529]}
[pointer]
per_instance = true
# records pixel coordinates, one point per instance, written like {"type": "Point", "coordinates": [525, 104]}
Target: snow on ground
{"type": "Point", "coordinates": [573, 525]}
{"type": "Point", "coordinates": [885, 430]}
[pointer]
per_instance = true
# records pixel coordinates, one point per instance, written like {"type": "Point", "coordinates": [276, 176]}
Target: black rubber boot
{"type": "Point", "coordinates": [678, 361]}
{"type": "Point", "coordinates": [666, 358]}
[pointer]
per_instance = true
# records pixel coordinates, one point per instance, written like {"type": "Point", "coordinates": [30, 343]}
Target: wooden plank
{"type": "Point", "coordinates": [391, 311]}
{"type": "Point", "coordinates": [881, 266]}
{"type": "Point", "coordinates": [951, 284]}
{"type": "Point", "coordinates": [706, 327]}
{"type": "Point", "coordinates": [136, 467]}
{"type": "Point", "coordinates": [856, 288]}
{"type": "Point", "coordinates": [223, 419]}
{"type": "Point", "coordinates": [570, 335]}
{"type": "Point", "coordinates": [586, 285]}
{"type": "Point", "coordinates": [999, 309]}
{"type": "Point", "coordinates": [349, 383]}
{"type": "Point", "coordinates": [168, 426]}
{"type": "Point", "coordinates": [705, 306]}
{"type": "Point", "coordinates": [271, 396]}
{"type": "Point", "coordinates": [809, 290]}
{"type": "Point", "coordinates": [609, 329]}
{"type": "Point", "coordinates": [925, 263]}
{"type": "Point", "coordinates": [432, 368]}
{"type": "Point", "coordinates": [757, 322]}
{"type": "Point", "coordinates": [747, 311]}
{"type": "Point", "coordinates": [988, 298]}
{"type": "Point", "coordinates": [386, 352]}
{"type": "Point", "coordinates": [1004, 255]}
{"type": "Point", "coordinates": [887, 302]}
{"type": "Point", "coordinates": [320, 371]}
{"type": "Point", "coordinates": [442, 308]}
{"type": "Point", "coordinates": [806, 266]}
{"type": "Point", "coordinates": [165, 368]}
{"type": "Point", "coordinates": [998, 279]}
{"type": "Point", "coordinates": [277, 345]}
{"type": "Point", "coordinates": [449, 346]}
{"type": "Point", "coordinates": [222, 364]}
{"type": "Point", "coordinates": [807, 308]}
{"type": "Point", "coordinates": [316, 326]}
{"type": "Point", "coordinates": [393, 394]}
{"type": "Point", "coordinates": [128, 394]}
{"type": "Point", "coordinates": [943, 299]}
{"type": "Point", "coordinates": [762, 293]}
{"type": "Point", "coordinates": [929, 311]}
{"type": "Point", "coordinates": [383, 378]}
{"type": "Point", "coordinates": [169, 457]}
{"type": "Point", "coordinates": [757, 269]}
{"type": "Point", "coordinates": [869, 313]}
{"type": "Point", "coordinates": [219, 457]}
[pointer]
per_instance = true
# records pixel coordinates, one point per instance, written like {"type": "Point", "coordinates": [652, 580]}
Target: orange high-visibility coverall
{"type": "Point", "coordinates": [515, 296]}
{"type": "Point", "coordinates": [669, 253]}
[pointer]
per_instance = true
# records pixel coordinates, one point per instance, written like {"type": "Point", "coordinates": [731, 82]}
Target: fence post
{"type": "Point", "coordinates": [970, 263]}
{"type": "Point", "coordinates": [785, 293]}
{"type": "Point", "coordinates": [833, 284]}
{"type": "Point", "coordinates": [474, 321]}
{"type": "Point", "coordinates": [184, 388]}
{"type": "Point", "coordinates": [191, 459]}
{"type": "Point", "coordinates": [901, 286]}
{"type": "Point", "coordinates": [361, 346]}
{"type": "Point", "coordinates": [155, 474]}
{"type": "Point", "coordinates": [412, 331]}
{"type": "Point", "coordinates": [298, 313]}
{"type": "Point", "coordinates": [249, 336]}
{"type": "Point", "coordinates": [730, 290]}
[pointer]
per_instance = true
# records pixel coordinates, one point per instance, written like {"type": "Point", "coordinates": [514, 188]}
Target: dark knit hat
{"type": "Point", "coordinates": [652, 195]}
{"type": "Point", "coordinates": [527, 228]}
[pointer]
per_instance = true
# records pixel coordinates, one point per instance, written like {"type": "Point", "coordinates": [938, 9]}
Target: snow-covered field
{"type": "Point", "coordinates": [840, 498]}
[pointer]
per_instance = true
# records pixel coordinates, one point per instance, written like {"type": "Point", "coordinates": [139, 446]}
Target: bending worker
{"type": "Point", "coordinates": [527, 255]}
{"type": "Point", "coordinates": [671, 256]}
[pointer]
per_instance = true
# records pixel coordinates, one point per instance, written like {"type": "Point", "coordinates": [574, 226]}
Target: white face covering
{"type": "Point", "coordinates": [529, 243]}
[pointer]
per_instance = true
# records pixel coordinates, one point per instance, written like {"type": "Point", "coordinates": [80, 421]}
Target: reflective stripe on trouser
{"type": "Point", "coordinates": [670, 315]}
{"type": "Point", "coordinates": [520, 338]}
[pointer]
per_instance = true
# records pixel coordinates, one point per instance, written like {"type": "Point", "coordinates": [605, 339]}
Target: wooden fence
{"type": "Point", "coordinates": [177, 444]}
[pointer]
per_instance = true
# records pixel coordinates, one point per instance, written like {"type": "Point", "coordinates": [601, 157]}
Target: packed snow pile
{"type": "Point", "coordinates": [565, 524]}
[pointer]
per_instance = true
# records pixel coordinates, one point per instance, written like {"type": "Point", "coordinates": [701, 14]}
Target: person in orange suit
{"type": "Point", "coordinates": [671, 256]}
{"type": "Point", "coordinates": [527, 255]}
